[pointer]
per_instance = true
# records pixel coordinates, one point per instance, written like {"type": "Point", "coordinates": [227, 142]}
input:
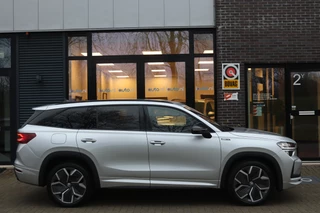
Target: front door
{"type": "Point", "coordinates": [178, 157]}
{"type": "Point", "coordinates": [305, 112]}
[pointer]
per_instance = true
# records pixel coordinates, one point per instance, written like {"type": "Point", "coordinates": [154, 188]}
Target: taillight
{"type": "Point", "coordinates": [25, 137]}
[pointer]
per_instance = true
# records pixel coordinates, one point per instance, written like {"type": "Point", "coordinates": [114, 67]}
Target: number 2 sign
{"type": "Point", "coordinates": [297, 79]}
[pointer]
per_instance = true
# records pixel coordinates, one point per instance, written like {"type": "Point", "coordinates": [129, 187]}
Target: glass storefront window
{"type": "Point", "coordinates": [5, 53]}
{"type": "Point", "coordinates": [5, 146]}
{"type": "Point", "coordinates": [266, 93]}
{"type": "Point", "coordinates": [116, 81]}
{"type": "Point", "coordinates": [77, 46]}
{"type": "Point", "coordinates": [78, 81]}
{"type": "Point", "coordinates": [204, 86]}
{"type": "Point", "coordinates": [203, 44]}
{"type": "Point", "coordinates": [165, 80]}
{"type": "Point", "coordinates": [141, 43]}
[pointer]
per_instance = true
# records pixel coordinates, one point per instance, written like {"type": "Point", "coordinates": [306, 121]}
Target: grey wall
{"type": "Point", "coordinates": [48, 15]}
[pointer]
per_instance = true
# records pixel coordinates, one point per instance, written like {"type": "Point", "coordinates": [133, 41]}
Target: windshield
{"type": "Point", "coordinates": [220, 127]}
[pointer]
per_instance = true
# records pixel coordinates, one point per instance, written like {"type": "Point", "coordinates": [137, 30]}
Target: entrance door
{"type": "Point", "coordinates": [305, 112]}
{"type": "Point", "coordinates": [116, 80]}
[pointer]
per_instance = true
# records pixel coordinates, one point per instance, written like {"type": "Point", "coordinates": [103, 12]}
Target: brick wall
{"type": "Point", "coordinates": [263, 31]}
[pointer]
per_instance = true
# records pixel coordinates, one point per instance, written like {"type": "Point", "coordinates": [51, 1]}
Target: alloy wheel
{"type": "Point", "coordinates": [251, 184]}
{"type": "Point", "coordinates": [68, 185]}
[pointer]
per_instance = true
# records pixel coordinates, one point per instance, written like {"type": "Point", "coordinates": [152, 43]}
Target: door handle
{"type": "Point", "coordinates": [157, 143]}
{"type": "Point", "coordinates": [88, 140]}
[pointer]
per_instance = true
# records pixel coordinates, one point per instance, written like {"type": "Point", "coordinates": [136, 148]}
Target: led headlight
{"type": "Point", "coordinates": [287, 145]}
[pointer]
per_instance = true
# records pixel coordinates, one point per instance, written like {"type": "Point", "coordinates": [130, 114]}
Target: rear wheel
{"type": "Point", "coordinates": [69, 184]}
{"type": "Point", "coordinates": [250, 183]}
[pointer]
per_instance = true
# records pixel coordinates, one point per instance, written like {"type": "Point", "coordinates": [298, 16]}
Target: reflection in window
{"type": "Point", "coordinates": [266, 99]}
{"type": "Point", "coordinates": [203, 44]}
{"type": "Point", "coordinates": [164, 119]}
{"type": "Point", "coordinates": [125, 118]}
{"type": "Point", "coordinates": [141, 43]}
{"type": "Point", "coordinates": [77, 46]}
{"type": "Point", "coordinates": [165, 80]}
{"type": "Point", "coordinates": [204, 86]}
{"type": "Point", "coordinates": [5, 145]}
{"type": "Point", "coordinates": [116, 81]}
{"type": "Point", "coordinates": [78, 82]}
{"type": "Point", "coordinates": [5, 53]}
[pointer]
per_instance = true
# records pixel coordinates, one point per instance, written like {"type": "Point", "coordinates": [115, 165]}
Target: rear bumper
{"type": "Point", "coordinates": [26, 175]}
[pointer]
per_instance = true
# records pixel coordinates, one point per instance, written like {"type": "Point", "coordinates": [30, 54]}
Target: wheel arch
{"type": "Point", "coordinates": [56, 158]}
{"type": "Point", "coordinates": [257, 156]}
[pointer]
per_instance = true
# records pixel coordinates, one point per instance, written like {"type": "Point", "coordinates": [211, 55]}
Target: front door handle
{"type": "Point", "coordinates": [88, 140]}
{"type": "Point", "coordinates": [157, 143]}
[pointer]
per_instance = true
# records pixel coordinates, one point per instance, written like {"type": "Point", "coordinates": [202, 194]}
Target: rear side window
{"type": "Point", "coordinates": [124, 118]}
{"type": "Point", "coordinates": [72, 118]}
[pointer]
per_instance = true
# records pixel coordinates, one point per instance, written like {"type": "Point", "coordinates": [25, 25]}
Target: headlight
{"type": "Point", "coordinates": [288, 147]}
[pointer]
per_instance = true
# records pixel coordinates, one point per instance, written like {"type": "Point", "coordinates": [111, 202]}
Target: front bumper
{"type": "Point", "coordinates": [295, 177]}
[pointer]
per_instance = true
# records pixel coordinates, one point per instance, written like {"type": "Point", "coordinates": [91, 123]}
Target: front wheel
{"type": "Point", "coordinates": [250, 183]}
{"type": "Point", "coordinates": [69, 184]}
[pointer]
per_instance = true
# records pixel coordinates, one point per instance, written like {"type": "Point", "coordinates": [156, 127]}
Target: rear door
{"type": "Point", "coordinates": [117, 142]}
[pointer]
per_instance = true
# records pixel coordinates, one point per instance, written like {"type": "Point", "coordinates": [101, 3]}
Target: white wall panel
{"type": "Point", "coordinates": [201, 12]}
{"type": "Point", "coordinates": [50, 14]}
{"type": "Point", "coordinates": [151, 13]}
{"type": "Point", "coordinates": [76, 14]}
{"type": "Point", "coordinates": [100, 13]}
{"type": "Point", "coordinates": [126, 13]}
{"type": "Point", "coordinates": [177, 12]}
{"type": "Point", "coordinates": [26, 15]}
{"type": "Point", "coordinates": [6, 15]}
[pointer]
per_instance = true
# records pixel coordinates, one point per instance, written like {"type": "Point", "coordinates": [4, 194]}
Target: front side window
{"type": "Point", "coordinates": [124, 118]}
{"type": "Point", "coordinates": [165, 119]}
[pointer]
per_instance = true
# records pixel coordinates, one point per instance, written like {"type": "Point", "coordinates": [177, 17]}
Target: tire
{"type": "Point", "coordinates": [69, 185]}
{"type": "Point", "coordinates": [250, 183]}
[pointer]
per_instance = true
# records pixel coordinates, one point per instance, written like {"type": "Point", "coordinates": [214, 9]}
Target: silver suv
{"type": "Point", "coordinates": [74, 148]}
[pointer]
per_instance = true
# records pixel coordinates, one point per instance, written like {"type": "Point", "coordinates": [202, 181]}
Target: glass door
{"type": "Point", "coordinates": [116, 81]}
{"type": "Point", "coordinates": [5, 146]}
{"type": "Point", "coordinates": [305, 111]}
{"type": "Point", "coordinates": [165, 80]}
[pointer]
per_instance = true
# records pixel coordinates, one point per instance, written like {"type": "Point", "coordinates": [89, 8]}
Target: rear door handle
{"type": "Point", "coordinates": [157, 143]}
{"type": "Point", "coordinates": [88, 140]}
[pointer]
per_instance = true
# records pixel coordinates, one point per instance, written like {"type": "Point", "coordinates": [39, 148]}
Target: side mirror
{"type": "Point", "coordinates": [200, 130]}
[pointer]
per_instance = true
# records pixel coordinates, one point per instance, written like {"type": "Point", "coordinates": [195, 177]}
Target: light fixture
{"type": "Point", "coordinates": [249, 69]}
{"type": "Point", "coordinates": [201, 70]}
{"type": "Point", "coordinates": [122, 76]}
{"type": "Point", "coordinates": [114, 71]}
{"type": "Point", "coordinates": [93, 54]}
{"type": "Point", "coordinates": [208, 52]}
{"type": "Point", "coordinates": [158, 70]}
{"type": "Point", "coordinates": [152, 52]}
{"type": "Point", "coordinates": [105, 64]}
{"type": "Point", "coordinates": [156, 63]}
{"type": "Point", "coordinates": [205, 62]}
{"type": "Point", "coordinates": [160, 76]}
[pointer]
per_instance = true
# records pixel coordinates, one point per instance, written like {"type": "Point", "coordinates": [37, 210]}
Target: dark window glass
{"type": "Point", "coordinates": [165, 119]}
{"type": "Point", "coordinates": [73, 118]}
{"type": "Point", "coordinates": [140, 43]}
{"type": "Point", "coordinates": [118, 118]}
{"type": "Point", "coordinates": [5, 53]}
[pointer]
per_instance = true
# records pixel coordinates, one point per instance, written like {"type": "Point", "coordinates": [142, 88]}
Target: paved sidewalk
{"type": "Point", "coordinates": [19, 197]}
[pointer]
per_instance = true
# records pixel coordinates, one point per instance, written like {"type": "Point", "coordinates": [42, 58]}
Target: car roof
{"type": "Point", "coordinates": [69, 104]}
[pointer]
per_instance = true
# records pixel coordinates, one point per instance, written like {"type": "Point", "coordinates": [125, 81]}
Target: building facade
{"type": "Point", "coordinates": [244, 63]}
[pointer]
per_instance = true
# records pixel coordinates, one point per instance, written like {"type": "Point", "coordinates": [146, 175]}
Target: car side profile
{"type": "Point", "coordinates": [75, 148]}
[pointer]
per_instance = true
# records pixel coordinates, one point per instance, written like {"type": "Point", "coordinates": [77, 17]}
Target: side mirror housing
{"type": "Point", "coordinates": [200, 130]}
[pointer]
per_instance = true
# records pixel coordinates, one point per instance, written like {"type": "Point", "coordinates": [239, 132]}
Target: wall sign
{"type": "Point", "coordinates": [230, 96]}
{"type": "Point", "coordinates": [230, 76]}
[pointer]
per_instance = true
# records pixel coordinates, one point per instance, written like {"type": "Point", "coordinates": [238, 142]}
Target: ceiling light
{"type": "Point", "coordinates": [105, 64]}
{"type": "Point", "coordinates": [160, 76]}
{"type": "Point", "coordinates": [114, 70]}
{"type": "Point", "coordinates": [152, 52]}
{"type": "Point", "coordinates": [249, 69]}
{"type": "Point", "coordinates": [122, 76]}
{"type": "Point", "coordinates": [201, 70]}
{"type": "Point", "coordinates": [205, 62]}
{"type": "Point", "coordinates": [156, 63]}
{"type": "Point", "coordinates": [94, 54]}
{"type": "Point", "coordinates": [208, 52]}
{"type": "Point", "coordinates": [158, 70]}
